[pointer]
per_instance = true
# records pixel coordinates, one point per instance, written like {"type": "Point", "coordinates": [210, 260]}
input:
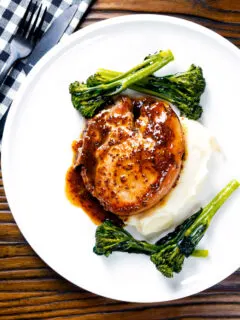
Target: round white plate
{"type": "Point", "coordinates": [36, 154]}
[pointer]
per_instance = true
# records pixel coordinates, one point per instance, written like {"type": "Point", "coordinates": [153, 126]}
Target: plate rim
{"type": "Point", "coordinates": [43, 62]}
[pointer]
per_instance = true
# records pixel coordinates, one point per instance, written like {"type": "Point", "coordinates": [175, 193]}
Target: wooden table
{"type": "Point", "coordinates": [29, 289]}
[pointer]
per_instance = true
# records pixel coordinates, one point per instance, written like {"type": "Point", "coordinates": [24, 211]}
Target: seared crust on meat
{"type": "Point", "coordinates": [130, 164]}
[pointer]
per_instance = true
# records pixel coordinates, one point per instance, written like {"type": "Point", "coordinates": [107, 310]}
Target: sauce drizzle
{"type": "Point", "coordinates": [78, 195]}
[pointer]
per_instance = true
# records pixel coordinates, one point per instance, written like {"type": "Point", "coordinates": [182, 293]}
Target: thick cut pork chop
{"type": "Point", "coordinates": [130, 164]}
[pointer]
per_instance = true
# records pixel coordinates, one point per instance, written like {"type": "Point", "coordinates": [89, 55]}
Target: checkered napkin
{"type": "Point", "coordinates": [11, 12]}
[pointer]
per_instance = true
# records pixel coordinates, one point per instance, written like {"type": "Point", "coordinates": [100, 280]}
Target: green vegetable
{"type": "Point", "coordinates": [198, 253]}
{"type": "Point", "coordinates": [88, 98]}
{"type": "Point", "coordinates": [183, 89]}
{"type": "Point", "coordinates": [168, 253]}
{"type": "Point", "coordinates": [110, 237]}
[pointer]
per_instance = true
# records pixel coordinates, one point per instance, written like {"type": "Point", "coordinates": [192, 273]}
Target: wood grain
{"type": "Point", "coordinates": [221, 16]}
{"type": "Point", "coordinates": [29, 289]}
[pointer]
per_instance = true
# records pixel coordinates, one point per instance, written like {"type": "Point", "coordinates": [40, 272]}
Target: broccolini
{"type": "Point", "coordinates": [168, 254]}
{"type": "Point", "coordinates": [110, 237]}
{"type": "Point", "coordinates": [183, 89]}
{"type": "Point", "coordinates": [87, 99]}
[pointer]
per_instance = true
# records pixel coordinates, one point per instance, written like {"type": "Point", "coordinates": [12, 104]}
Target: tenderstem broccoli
{"type": "Point", "coordinates": [87, 99]}
{"type": "Point", "coordinates": [183, 89]}
{"type": "Point", "coordinates": [110, 237]}
{"type": "Point", "coordinates": [168, 254]}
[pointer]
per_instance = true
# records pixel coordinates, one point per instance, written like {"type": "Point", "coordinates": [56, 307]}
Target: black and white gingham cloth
{"type": "Point", "coordinates": [11, 12]}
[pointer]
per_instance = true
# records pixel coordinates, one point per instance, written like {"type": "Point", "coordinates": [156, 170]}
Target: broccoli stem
{"type": "Point", "coordinates": [196, 231]}
{"type": "Point", "coordinates": [200, 253]}
{"type": "Point", "coordinates": [104, 75]}
{"type": "Point", "coordinates": [107, 75]}
{"type": "Point", "coordinates": [147, 67]}
{"type": "Point", "coordinates": [209, 211]}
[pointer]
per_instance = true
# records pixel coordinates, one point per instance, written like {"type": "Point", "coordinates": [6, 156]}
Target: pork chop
{"type": "Point", "coordinates": [130, 164]}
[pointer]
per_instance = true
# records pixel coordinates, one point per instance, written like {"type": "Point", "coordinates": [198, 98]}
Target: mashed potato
{"type": "Point", "coordinates": [179, 202]}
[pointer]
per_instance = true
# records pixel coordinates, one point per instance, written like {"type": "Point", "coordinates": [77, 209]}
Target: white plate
{"type": "Point", "coordinates": [36, 154]}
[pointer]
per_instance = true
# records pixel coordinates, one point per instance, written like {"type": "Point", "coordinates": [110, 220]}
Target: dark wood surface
{"type": "Point", "coordinates": [29, 289]}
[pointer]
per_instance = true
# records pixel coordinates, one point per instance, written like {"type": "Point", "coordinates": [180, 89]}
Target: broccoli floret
{"type": "Point", "coordinates": [110, 237]}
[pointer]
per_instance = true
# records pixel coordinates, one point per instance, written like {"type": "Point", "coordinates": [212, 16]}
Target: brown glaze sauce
{"type": "Point", "coordinates": [78, 195]}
